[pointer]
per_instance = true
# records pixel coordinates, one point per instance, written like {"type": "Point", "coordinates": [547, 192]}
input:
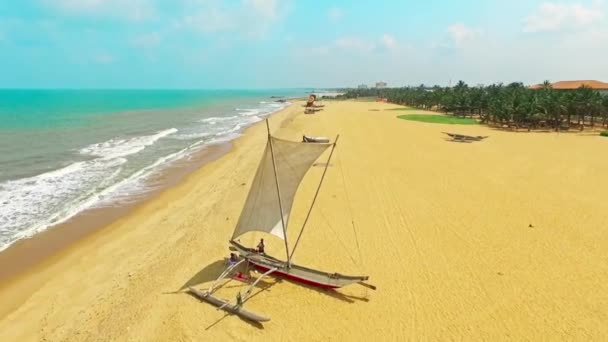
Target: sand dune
{"type": "Point", "coordinates": [443, 230]}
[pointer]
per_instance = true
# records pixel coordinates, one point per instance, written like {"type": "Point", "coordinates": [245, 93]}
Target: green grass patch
{"type": "Point", "coordinates": [604, 133]}
{"type": "Point", "coordinates": [440, 119]}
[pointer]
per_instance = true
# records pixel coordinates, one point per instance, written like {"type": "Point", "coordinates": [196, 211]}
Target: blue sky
{"type": "Point", "coordinates": [296, 43]}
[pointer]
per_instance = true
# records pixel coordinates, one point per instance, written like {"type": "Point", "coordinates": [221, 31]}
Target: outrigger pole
{"type": "Point", "coordinates": [276, 178]}
{"type": "Point", "coordinates": [333, 147]}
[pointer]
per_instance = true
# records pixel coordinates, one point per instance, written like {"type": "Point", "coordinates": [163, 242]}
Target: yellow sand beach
{"type": "Point", "coordinates": [504, 239]}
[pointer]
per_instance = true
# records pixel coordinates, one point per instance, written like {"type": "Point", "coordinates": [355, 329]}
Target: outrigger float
{"type": "Point", "coordinates": [267, 209]}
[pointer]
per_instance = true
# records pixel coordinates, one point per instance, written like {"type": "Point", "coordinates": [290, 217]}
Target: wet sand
{"type": "Point", "coordinates": [504, 239]}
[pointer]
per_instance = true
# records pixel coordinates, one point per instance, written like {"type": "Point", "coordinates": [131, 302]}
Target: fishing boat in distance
{"type": "Point", "coordinates": [267, 209]}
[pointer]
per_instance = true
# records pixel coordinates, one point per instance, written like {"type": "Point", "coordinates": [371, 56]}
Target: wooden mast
{"type": "Point", "coordinates": [276, 179]}
{"type": "Point", "coordinates": [316, 194]}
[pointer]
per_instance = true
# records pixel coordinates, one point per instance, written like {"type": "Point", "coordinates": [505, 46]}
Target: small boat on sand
{"type": "Point", "coordinates": [267, 209]}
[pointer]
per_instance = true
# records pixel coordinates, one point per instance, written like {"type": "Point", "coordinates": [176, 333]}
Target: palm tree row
{"type": "Point", "coordinates": [513, 105]}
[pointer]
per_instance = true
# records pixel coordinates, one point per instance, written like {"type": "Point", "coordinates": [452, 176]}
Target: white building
{"type": "Point", "coordinates": [362, 86]}
{"type": "Point", "coordinates": [381, 85]}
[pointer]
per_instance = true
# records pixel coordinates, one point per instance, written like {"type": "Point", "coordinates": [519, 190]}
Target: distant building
{"type": "Point", "coordinates": [601, 87]}
{"type": "Point", "coordinates": [362, 86]}
{"type": "Point", "coordinates": [380, 85]}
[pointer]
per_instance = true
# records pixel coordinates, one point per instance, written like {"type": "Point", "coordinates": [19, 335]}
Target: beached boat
{"type": "Point", "coordinates": [456, 136]}
{"type": "Point", "coordinates": [267, 208]}
{"type": "Point", "coordinates": [307, 139]}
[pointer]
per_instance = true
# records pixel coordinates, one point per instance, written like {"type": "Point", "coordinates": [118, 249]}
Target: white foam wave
{"type": "Point", "coordinates": [217, 119]}
{"type": "Point", "coordinates": [222, 125]}
{"type": "Point", "coordinates": [248, 112]}
{"type": "Point", "coordinates": [29, 205]}
{"type": "Point", "coordinates": [191, 136]}
{"type": "Point", "coordinates": [115, 148]}
{"type": "Point", "coordinates": [134, 183]}
{"type": "Point", "coordinates": [232, 129]}
{"type": "Point", "coordinates": [224, 138]}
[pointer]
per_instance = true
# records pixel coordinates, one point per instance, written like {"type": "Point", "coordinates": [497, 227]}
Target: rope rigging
{"type": "Point", "coordinates": [359, 264]}
{"type": "Point", "coordinates": [316, 195]}
{"type": "Point", "coordinates": [350, 212]}
{"type": "Point", "coordinates": [358, 260]}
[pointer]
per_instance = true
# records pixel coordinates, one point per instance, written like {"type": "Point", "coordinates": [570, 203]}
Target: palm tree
{"type": "Point", "coordinates": [547, 104]}
{"type": "Point", "coordinates": [461, 101]}
{"type": "Point", "coordinates": [604, 110]}
{"type": "Point", "coordinates": [497, 103]}
{"type": "Point", "coordinates": [587, 104]}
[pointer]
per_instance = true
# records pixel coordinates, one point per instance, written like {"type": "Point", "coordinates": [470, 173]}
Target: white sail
{"type": "Point", "coordinates": [261, 211]}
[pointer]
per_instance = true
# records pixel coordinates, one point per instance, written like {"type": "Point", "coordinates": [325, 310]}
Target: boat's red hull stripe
{"type": "Point", "coordinates": [295, 278]}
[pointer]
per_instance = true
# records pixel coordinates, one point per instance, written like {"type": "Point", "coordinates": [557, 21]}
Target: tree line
{"type": "Point", "coordinates": [513, 105]}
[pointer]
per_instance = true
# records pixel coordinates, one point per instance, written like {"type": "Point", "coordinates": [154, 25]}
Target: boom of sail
{"type": "Point", "coordinates": [262, 210]}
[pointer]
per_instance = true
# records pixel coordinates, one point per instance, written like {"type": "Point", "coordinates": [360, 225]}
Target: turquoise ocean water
{"type": "Point", "coordinates": [64, 151]}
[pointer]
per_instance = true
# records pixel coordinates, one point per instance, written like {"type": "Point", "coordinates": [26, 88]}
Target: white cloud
{"type": "Point", "coordinates": [490, 56]}
{"type": "Point", "coordinates": [320, 50]}
{"type": "Point", "coordinates": [213, 20]}
{"type": "Point", "coordinates": [557, 17]}
{"type": "Point", "coordinates": [266, 8]}
{"type": "Point", "coordinates": [366, 46]}
{"type": "Point", "coordinates": [460, 33]}
{"type": "Point", "coordinates": [147, 40]}
{"type": "Point", "coordinates": [312, 52]}
{"type": "Point", "coordinates": [495, 57]}
{"type": "Point", "coordinates": [119, 9]}
{"type": "Point", "coordinates": [335, 14]}
{"type": "Point", "coordinates": [388, 41]}
{"type": "Point", "coordinates": [354, 43]}
{"type": "Point", "coordinates": [104, 58]}
{"type": "Point", "coordinates": [252, 18]}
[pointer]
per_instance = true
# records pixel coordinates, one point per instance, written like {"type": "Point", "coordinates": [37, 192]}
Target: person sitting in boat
{"type": "Point", "coordinates": [261, 246]}
{"type": "Point", "coordinates": [233, 259]}
{"type": "Point", "coordinates": [239, 299]}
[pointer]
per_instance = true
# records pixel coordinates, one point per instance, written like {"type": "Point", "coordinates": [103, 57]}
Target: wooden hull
{"type": "Point", "coordinates": [295, 278]}
{"type": "Point", "coordinates": [299, 274]}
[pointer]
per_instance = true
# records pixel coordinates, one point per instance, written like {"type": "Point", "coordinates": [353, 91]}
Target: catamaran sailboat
{"type": "Point", "coordinates": [267, 208]}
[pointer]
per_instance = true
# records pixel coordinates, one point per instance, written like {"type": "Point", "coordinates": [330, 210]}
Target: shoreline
{"type": "Point", "coordinates": [26, 254]}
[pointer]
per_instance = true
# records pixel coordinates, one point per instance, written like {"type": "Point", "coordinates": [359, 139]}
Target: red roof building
{"type": "Point", "coordinates": [597, 85]}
